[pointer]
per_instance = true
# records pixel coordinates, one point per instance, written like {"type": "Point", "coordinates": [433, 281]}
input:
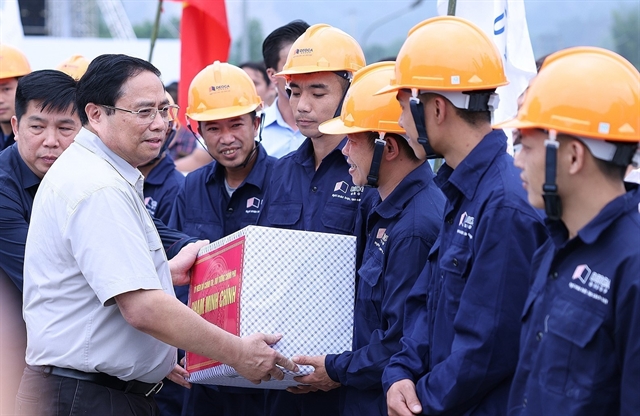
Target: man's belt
{"type": "Point", "coordinates": [102, 379]}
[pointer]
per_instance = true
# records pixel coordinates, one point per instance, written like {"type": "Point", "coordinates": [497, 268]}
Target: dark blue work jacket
{"type": "Point", "coordinates": [161, 187]}
{"type": "Point", "coordinates": [580, 343]}
{"type": "Point", "coordinates": [399, 233]}
{"type": "Point", "coordinates": [463, 327]}
{"type": "Point", "coordinates": [303, 198]}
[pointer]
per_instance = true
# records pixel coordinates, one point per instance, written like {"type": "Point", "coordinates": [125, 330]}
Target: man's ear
{"type": "Point", "coordinates": [392, 149]}
{"type": "Point", "coordinates": [272, 75]}
{"type": "Point", "coordinates": [14, 126]}
{"type": "Point", "coordinates": [574, 155]}
{"type": "Point", "coordinates": [439, 109]}
{"type": "Point", "coordinates": [94, 113]}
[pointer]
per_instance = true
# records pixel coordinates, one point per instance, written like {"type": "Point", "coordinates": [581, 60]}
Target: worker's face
{"type": "Point", "coordinates": [530, 158]}
{"type": "Point", "coordinates": [43, 136]}
{"type": "Point", "coordinates": [7, 99]}
{"type": "Point", "coordinates": [359, 153]}
{"type": "Point", "coordinates": [230, 140]}
{"type": "Point", "coordinates": [408, 124]}
{"type": "Point", "coordinates": [314, 100]}
{"type": "Point", "coordinates": [135, 141]}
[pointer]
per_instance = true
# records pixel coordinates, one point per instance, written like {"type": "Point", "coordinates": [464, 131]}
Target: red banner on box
{"type": "Point", "coordinates": [214, 293]}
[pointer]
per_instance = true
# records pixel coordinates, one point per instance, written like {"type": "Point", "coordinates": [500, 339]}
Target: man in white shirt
{"type": "Point", "coordinates": [102, 319]}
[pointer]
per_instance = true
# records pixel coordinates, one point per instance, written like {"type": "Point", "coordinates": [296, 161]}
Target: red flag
{"type": "Point", "coordinates": [204, 38]}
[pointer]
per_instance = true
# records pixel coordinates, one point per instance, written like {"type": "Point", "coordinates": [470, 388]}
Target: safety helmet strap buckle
{"type": "Point", "coordinates": [376, 161]}
{"type": "Point", "coordinates": [552, 203]}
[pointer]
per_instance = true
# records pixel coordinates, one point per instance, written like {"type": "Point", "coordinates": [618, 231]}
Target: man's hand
{"type": "Point", "coordinates": [180, 265]}
{"type": "Point", "coordinates": [178, 375]}
{"type": "Point", "coordinates": [318, 380]}
{"type": "Point", "coordinates": [257, 360]}
{"type": "Point", "coordinates": [402, 399]}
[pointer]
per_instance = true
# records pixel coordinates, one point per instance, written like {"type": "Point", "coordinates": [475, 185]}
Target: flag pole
{"type": "Point", "coordinates": [451, 11]}
{"type": "Point", "coordinates": [156, 28]}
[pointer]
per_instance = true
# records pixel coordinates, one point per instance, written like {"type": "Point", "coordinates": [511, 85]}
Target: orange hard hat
{"type": "Point", "coordinates": [220, 91]}
{"type": "Point", "coordinates": [323, 48]}
{"type": "Point", "coordinates": [586, 92]}
{"type": "Point", "coordinates": [361, 110]}
{"type": "Point", "coordinates": [13, 63]}
{"type": "Point", "coordinates": [447, 53]}
{"type": "Point", "coordinates": [75, 66]}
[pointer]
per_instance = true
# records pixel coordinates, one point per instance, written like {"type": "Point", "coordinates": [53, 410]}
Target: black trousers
{"type": "Point", "coordinates": [46, 394]}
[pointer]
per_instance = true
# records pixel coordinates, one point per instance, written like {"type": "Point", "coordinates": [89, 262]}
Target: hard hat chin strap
{"type": "Point", "coordinates": [376, 160]}
{"type": "Point", "coordinates": [552, 202]}
{"type": "Point", "coordinates": [417, 112]}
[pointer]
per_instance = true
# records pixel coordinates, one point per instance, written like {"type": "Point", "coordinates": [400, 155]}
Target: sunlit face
{"type": "Point", "coordinates": [230, 140]}
{"type": "Point", "coordinates": [134, 142]}
{"type": "Point", "coordinates": [359, 153]}
{"type": "Point", "coordinates": [7, 99]}
{"type": "Point", "coordinates": [314, 100]}
{"type": "Point", "coordinates": [531, 160]}
{"type": "Point", "coordinates": [407, 123]}
{"type": "Point", "coordinates": [265, 91]}
{"type": "Point", "coordinates": [43, 136]}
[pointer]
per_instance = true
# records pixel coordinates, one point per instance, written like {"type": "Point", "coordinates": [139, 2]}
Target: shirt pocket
{"type": "Point", "coordinates": [574, 359]}
{"type": "Point", "coordinates": [284, 213]}
{"type": "Point", "coordinates": [370, 290]}
{"type": "Point", "coordinates": [454, 266]}
{"type": "Point", "coordinates": [339, 217]}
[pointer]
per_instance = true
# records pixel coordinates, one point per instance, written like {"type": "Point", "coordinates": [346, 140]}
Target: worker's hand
{"type": "Point", "coordinates": [402, 399]}
{"type": "Point", "coordinates": [180, 265]}
{"type": "Point", "coordinates": [257, 361]}
{"type": "Point", "coordinates": [178, 376]}
{"type": "Point", "coordinates": [319, 379]}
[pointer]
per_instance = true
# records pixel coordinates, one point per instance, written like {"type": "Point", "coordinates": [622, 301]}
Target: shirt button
{"type": "Point", "coordinates": [539, 336]}
{"type": "Point", "coordinates": [455, 262]}
{"type": "Point", "coordinates": [314, 189]}
{"type": "Point", "coordinates": [553, 275]}
{"type": "Point", "coordinates": [450, 221]}
{"type": "Point", "coordinates": [230, 209]}
{"type": "Point", "coordinates": [524, 402]}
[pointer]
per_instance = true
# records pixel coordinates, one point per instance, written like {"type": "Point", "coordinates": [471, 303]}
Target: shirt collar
{"type": "Point", "coordinates": [256, 177]}
{"type": "Point", "coordinates": [413, 183]}
{"type": "Point", "coordinates": [272, 115]}
{"type": "Point", "coordinates": [94, 144]}
{"type": "Point", "coordinates": [305, 151]}
{"type": "Point", "coordinates": [466, 177]}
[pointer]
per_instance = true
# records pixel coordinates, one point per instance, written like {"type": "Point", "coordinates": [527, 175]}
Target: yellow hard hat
{"type": "Point", "coordinates": [13, 63]}
{"type": "Point", "coordinates": [323, 48]}
{"type": "Point", "coordinates": [447, 53]}
{"type": "Point", "coordinates": [220, 91]}
{"type": "Point", "coordinates": [583, 91]}
{"type": "Point", "coordinates": [75, 66]}
{"type": "Point", "coordinates": [362, 111]}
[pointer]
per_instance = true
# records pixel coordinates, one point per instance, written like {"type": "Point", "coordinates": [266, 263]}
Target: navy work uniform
{"type": "Point", "coordinates": [461, 346]}
{"type": "Point", "coordinates": [399, 233]}
{"type": "Point", "coordinates": [161, 187]}
{"type": "Point", "coordinates": [580, 343]}
{"type": "Point", "coordinates": [205, 210]}
{"type": "Point", "coordinates": [323, 200]}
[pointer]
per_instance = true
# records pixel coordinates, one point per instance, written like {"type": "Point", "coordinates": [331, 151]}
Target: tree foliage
{"type": "Point", "coordinates": [626, 33]}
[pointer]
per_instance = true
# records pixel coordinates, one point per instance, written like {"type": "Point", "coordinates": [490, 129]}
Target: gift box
{"type": "Point", "coordinates": [297, 283]}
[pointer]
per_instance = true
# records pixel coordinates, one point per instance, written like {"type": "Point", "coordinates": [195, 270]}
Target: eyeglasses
{"type": "Point", "coordinates": [148, 114]}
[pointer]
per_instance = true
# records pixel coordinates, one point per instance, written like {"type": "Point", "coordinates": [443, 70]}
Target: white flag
{"type": "Point", "coordinates": [505, 22]}
{"type": "Point", "coordinates": [11, 31]}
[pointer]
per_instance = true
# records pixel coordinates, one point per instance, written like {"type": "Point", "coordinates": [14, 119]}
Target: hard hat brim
{"type": "Point", "coordinates": [515, 123]}
{"type": "Point", "coordinates": [336, 126]}
{"type": "Point", "coordinates": [388, 89]}
{"type": "Point", "coordinates": [222, 113]}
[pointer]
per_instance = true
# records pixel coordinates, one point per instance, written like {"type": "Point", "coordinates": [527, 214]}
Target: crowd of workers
{"type": "Point", "coordinates": [498, 285]}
